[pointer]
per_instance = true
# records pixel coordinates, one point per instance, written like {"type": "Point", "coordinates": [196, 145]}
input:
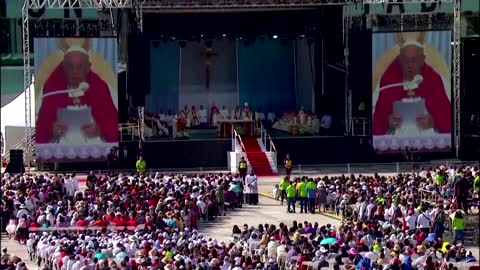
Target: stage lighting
{"type": "Point", "coordinates": [275, 36]}
{"type": "Point", "coordinates": [224, 35]}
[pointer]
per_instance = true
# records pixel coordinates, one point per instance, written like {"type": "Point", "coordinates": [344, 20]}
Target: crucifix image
{"type": "Point", "coordinates": [209, 54]}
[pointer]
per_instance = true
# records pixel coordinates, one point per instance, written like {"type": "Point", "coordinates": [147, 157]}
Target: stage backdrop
{"type": "Point", "coordinates": [266, 75]}
{"type": "Point", "coordinates": [411, 91]}
{"type": "Point", "coordinates": [76, 101]}
{"type": "Point", "coordinates": [228, 73]}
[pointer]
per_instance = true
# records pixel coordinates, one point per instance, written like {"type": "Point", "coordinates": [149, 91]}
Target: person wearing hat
{"type": "Point", "coordinates": [242, 168]}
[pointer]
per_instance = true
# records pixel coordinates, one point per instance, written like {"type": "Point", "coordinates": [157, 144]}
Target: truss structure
{"type": "Point", "coordinates": [142, 5]}
{"type": "Point", "coordinates": [457, 13]}
{"type": "Point", "coordinates": [252, 4]}
{"type": "Point", "coordinates": [61, 4]}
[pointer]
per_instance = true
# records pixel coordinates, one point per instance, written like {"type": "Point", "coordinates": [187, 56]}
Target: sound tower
{"type": "Point", "coordinates": [15, 165]}
{"type": "Point", "coordinates": [138, 71]}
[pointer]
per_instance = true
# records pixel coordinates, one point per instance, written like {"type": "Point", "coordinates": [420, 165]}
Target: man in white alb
{"type": "Point", "coordinates": [202, 116]}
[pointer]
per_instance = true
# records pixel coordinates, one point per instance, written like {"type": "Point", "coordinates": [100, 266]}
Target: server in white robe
{"type": "Point", "coordinates": [251, 189]}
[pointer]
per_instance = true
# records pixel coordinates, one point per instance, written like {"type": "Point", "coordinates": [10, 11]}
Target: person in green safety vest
{"type": "Point", "coordinates": [476, 183]}
{"type": "Point", "coordinates": [458, 224]}
{"type": "Point", "coordinates": [141, 165]}
{"type": "Point", "coordinates": [311, 195]}
{"type": "Point", "coordinates": [291, 197]}
{"type": "Point", "coordinates": [439, 181]}
{"type": "Point", "coordinates": [302, 194]}
{"type": "Point", "coordinates": [283, 189]}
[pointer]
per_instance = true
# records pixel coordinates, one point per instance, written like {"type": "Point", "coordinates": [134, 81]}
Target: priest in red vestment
{"type": "Point", "coordinates": [408, 64]}
{"type": "Point", "coordinates": [74, 70]}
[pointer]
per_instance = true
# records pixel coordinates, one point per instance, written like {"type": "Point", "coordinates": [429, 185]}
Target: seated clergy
{"type": "Point", "coordinates": [202, 116]}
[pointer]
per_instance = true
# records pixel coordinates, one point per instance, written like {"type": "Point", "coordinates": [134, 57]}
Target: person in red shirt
{"type": "Point", "coordinates": [81, 222]}
{"type": "Point", "coordinates": [132, 222]}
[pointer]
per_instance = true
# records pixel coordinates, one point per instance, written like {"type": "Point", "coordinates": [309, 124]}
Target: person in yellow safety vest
{"type": "Point", "coordinates": [242, 169]}
{"type": "Point", "coordinates": [291, 194]}
{"type": "Point", "coordinates": [141, 165]}
{"type": "Point", "coordinates": [458, 224]}
{"type": "Point", "coordinates": [311, 195]}
{"type": "Point", "coordinates": [283, 189]}
{"type": "Point", "coordinates": [287, 163]}
{"type": "Point", "coordinates": [302, 195]}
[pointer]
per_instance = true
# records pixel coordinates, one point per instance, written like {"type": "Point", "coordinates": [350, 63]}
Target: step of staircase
{"type": "Point", "coordinates": [257, 158]}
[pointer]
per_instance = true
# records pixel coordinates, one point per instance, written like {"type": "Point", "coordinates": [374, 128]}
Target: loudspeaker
{"type": "Point", "coordinates": [16, 162]}
{"type": "Point", "coordinates": [138, 76]}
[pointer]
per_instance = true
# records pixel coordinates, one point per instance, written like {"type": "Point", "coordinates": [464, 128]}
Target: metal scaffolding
{"type": "Point", "coordinates": [142, 5]}
{"type": "Point", "coordinates": [141, 109]}
{"type": "Point", "coordinates": [457, 13]}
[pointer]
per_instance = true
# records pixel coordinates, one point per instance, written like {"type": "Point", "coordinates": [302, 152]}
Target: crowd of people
{"type": "Point", "coordinates": [151, 222]}
{"type": "Point", "coordinates": [117, 221]}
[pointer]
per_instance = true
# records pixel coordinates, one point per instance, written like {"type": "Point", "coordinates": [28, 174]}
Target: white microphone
{"type": "Point", "coordinates": [82, 87]}
{"type": "Point", "coordinates": [417, 79]}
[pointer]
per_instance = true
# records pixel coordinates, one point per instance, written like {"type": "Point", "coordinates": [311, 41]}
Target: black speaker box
{"type": "Point", "coordinates": [16, 162]}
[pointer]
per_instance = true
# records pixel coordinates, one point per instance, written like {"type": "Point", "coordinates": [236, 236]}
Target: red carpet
{"type": "Point", "coordinates": [257, 158]}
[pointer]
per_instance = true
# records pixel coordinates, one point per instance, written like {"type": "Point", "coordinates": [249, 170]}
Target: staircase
{"type": "Point", "coordinates": [257, 157]}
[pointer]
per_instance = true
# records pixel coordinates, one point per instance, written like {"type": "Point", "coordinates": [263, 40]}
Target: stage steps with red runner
{"type": "Point", "coordinates": [256, 157]}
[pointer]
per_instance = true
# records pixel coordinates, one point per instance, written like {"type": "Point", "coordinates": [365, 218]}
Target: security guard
{"type": "Point", "coordinates": [287, 163]}
{"type": "Point", "coordinates": [242, 168]}
{"type": "Point", "coordinates": [141, 165]}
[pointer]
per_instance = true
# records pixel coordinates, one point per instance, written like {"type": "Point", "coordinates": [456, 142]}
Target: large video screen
{"type": "Point", "coordinates": [411, 91]}
{"type": "Point", "coordinates": [76, 98]}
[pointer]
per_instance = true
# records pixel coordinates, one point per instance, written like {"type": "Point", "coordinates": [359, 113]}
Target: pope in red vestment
{"type": "Point", "coordinates": [405, 67]}
{"type": "Point", "coordinates": [75, 69]}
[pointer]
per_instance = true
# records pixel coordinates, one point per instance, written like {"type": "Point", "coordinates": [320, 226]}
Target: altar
{"type": "Point", "coordinates": [243, 127]}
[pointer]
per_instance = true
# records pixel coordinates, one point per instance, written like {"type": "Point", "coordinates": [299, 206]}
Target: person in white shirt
{"type": "Point", "coordinates": [423, 222]}
{"type": "Point", "coordinates": [251, 189]}
{"type": "Point", "coordinates": [22, 211]}
{"type": "Point", "coordinates": [282, 253]}
{"type": "Point", "coordinates": [224, 113]}
{"type": "Point", "coordinates": [411, 220]}
{"type": "Point", "coordinates": [272, 248]}
{"type": "Point", "coordinates": [202, 116]}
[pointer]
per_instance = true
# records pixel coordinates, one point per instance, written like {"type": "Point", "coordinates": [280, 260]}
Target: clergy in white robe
{"type": "Point", "coordinates": [224, 113]}
{"type": "Point", "coordinates": [202, 116]}
{"type": "Point", "coordinates": [251, 189]}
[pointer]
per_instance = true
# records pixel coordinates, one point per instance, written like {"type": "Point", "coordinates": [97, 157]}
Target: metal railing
{"type": "Point", "coordinates": [370, 168]}
{"type": "Point", "coordinates": [236, 137]}
{"type": "Point", "coordinates": [21, 145]}
{"type": "Point", "coordinates": [128, 129]}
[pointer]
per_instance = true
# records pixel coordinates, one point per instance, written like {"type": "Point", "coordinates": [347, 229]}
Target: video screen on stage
{"type": "Point", "coordinates": [201, 89]}
{"type": "Point", "coordinates": [76, 98]}
{"type": "Point", "coordinates": [411, 91]}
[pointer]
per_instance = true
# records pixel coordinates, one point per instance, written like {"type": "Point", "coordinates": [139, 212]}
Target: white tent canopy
{"type": "Point", "coordinates": [13, 114]}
